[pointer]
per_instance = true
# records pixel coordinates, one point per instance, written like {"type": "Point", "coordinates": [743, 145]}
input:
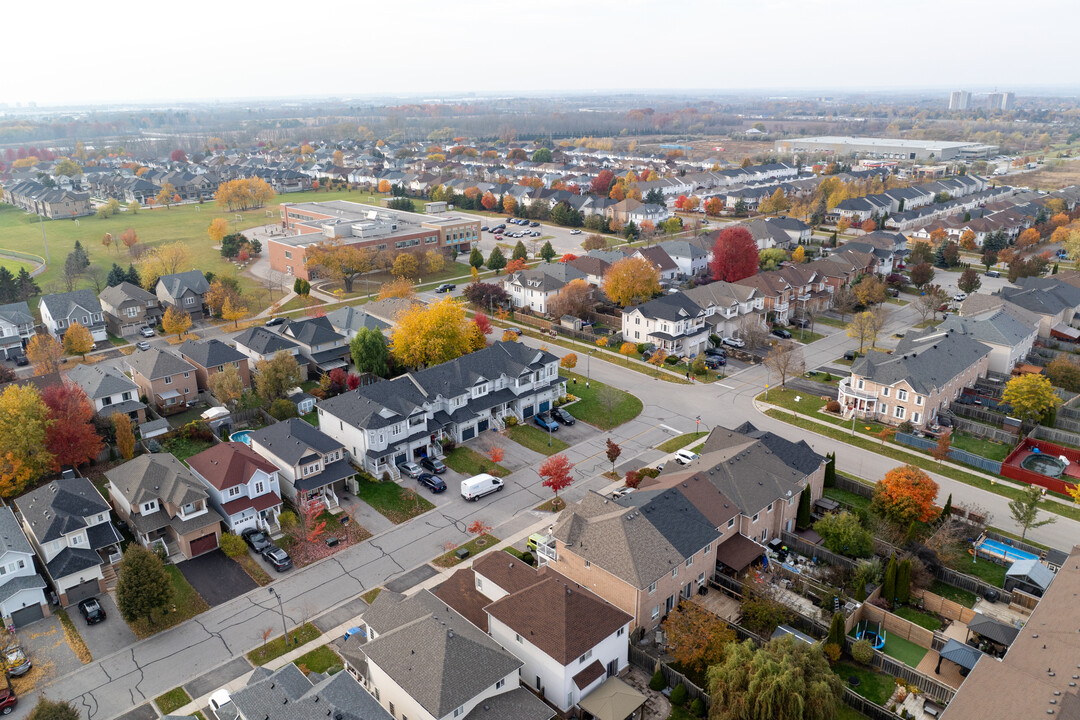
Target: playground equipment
{"type": "Point", "coordinates": [872, 632]}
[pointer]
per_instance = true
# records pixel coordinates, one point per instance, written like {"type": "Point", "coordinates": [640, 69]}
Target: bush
{"type": "Point", "coordinates": [510, 420]}
{"type": "Point", "coordinates": [905, 427]}
{"type": "Point", "coordinates": [649, 472]}
{"type": "Point", "coordinates": [832, 406]}
{"type": "Point", "coordinates": [287, 519]}
{"type": "Point", "coordinates": [672, 360]}
{"type": "Point", "coordinates": [678, 695]}
{"type": "Point", "coordinates": [657, 683]}
{"type": "Point", "coordinates": [828, 378]}
{"type": "Point", "coordinates": [642, 347]}
{"type": "Point", "coordinates": [232, 545]}
{"type": "Point", "coordinates": [862, 651]}
{"type": "Point", "coordinates": [153, 445]}
{"type": "Point", "coordinates": [843, 533]}
{"type": "Point", "coordinates": [282, 409]}
{"type": "Point", "coordinates": [832, 651]}
{"type": "Point", "coordinates": [697, 707]}
{"type": "Point", "coordinates": [527, 557]}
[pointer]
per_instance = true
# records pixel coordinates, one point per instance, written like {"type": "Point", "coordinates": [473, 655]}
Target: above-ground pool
{"type": "Point", "coordinates": [243, 436]}
{"type": "Point", "coordinates": [1043, 464]}
{"type": "Point", "coordinates": [1004, 552]}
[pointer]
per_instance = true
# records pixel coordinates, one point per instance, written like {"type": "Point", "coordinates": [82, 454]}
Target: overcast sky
{"type": "Point", "coordinates": [71, 53]}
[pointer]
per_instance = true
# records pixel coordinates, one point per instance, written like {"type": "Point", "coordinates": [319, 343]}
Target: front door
{"type": "Point", "coordinates": [669, 604]}
{"type": "Point", "coordinates": [612, 668]}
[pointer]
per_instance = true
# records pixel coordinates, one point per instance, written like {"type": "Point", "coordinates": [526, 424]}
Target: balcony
{"type": "Point", "coordinates": [846, 390]}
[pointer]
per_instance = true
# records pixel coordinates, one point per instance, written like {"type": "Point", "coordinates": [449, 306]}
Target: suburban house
{"type": "Point", "coordinates": [727, 305]}
{"type": "Point", "coordinates": [1055, 302]}
{"type": "Point", "coordinates": [395, 421]}
{"type": "Point", "coordinates": [16, 328]}
{"type": "Point", "coordinates": [570, 639]}
{"type": "Point", "coordinates": [242, 486]}
{"type": "Point", "coordinates": [593, 268]}
{"type": "Point", "coordinates": [888, 248]}
{"type": "Point", "coordinates": [165, 380]}
{"type": "Point", "coordinates": [924, 374]}
{"type": "Point", "coordinates": [209, 357]}
{"type": "Point", "coordinates": [793, 290]}
{"type": "Point", "coordinates": [312, 465]}
{"type": "Point", "coordinates": [22, 589]}
{"type": "Point", "coordinates": [376, 315]}
{"type": "Point", "coordinates": [315, 696]}
{"type": "Point", "coordinates": [109, 390]}
{"type": "Point", "coordinates": [184, 290]}
{"type": "Point", "coordinates": [67, 521]}
{"type": "Point", "coordinates": [262, 343]}
{"type": "Point", "coordinates": [534, 288]}
{"type": "Point", "coordinates": [60, 310]}
{"type": "Point", "coordinates": [165, 505]}
{"type": "Point", "coordinates": [423, 660]}
{"type": "Point", "coordinates": [691, 259]}
{"type": "Point", "coordinates": [128, 307]}
{"type": "Point", "coordinates": [673, 323]}
{"type": "Point", "coordinates": [320, 344]}
{"type": "Point", "coordinates": [1010, 338]}
{"type": "Point", "coordinates": [658, 258]}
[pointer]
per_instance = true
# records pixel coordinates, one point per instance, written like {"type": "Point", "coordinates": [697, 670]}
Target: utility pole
{"type": "Point", "coordinates": [41, 221]}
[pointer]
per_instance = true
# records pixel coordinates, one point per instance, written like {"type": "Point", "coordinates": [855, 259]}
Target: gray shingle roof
{"type": "Point", "coordinates": [518, 704]}
{"type": "Point", "coordinates": [11, 534]}
{"type": "Point", "coordinates": [749, 473]}
{"type": "Point", "coordinates": [263, 341]}
{"type": "Point", "coordinates": [60, 305]}
{"type": "Point", "coordinates": [17, 313]}
{"type": "Point", "coordinates": [352, 319]}
{"type": "Point", "coordinates": [797, 455]}
{"type": "Point", "coordinates": [156, 476]}
{"type": "Point", "coordinates": [287, 694]}
{"type": "Point", "coordinates": [669, 307]}
{"type": "Point", "coordinates": [310, 331]}
{"type": "Point", "coordinates": [926, 360]}
{"type": "Point", "coordinates": [99, 381]}
{"type": "Point", "coordinates": [177, 284]}
{"type": "Point", "coordinates": [55, 509]}
{"type": "Point", "coordinates": [19, 583]}
{"type": "Point", "coordinates": [119, 294]}
{"type": "Point", "coordinates": [72, 560]}
{"type": "Point", "coordinates": [291, 439]}
{"type": "Point", "coordinates": [155, 363]}
{"type": "Point", "coordinates": [1001, 328]}
{"type": "Point", "coordinates": [210, 353]}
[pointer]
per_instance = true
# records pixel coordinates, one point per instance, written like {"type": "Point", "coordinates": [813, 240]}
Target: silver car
{"type": "Point", "coordinates": [410, 469]}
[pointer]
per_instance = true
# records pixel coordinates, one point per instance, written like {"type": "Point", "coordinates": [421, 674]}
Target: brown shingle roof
{"type": "Point", "coordinates": [459, 592]}
{"type": "Point", "coordinates": [506, 571]}
{"type": "Point", "coordinates": [228, 464]}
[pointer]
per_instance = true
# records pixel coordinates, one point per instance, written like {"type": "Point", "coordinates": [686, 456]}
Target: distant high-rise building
{"type": "Point", "coordinates": [1008, 100]}
{"type": "Point", "coordinates": [1000, 101]}
{"type": "Point", "coordinates": [959, 100]}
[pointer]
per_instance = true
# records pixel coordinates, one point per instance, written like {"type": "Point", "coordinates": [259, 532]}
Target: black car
{"type": "Point", "coordinates": [801, 323]}
{"type": "Point", "coordinates": [92, 611]}
{"type": "Point", "coordinates": [274, 321]}
{"type": "Point", "coordinates": [782, 333]}
{"type": "Point", "coordinates": [483, 228]}
{"type": "Point", "coordinates": [715, 363]}
{"type": "Point", "coordinates": [716, 352]}
{"type": "Point", "coordinates": [21, 360]}
{"type": "Point", "coordinates": [278, 558]}
{"type": "Point", "coordinates": [432, 482]}
{"type": "Point", "coordinates": [534, 224]}
{"type": "Point", "coordinates": [562, 416]}
{"type": "Point", "coordinates": [257, 539]}
{"type": "Point", "coordinates": [516, 330]}
{"type": "Point", "coordinates": [445, 287]}
{"type": "Point", "coordinates": [434, 465]}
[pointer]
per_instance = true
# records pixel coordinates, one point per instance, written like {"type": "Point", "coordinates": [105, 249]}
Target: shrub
{"type": "Point", "coordinates": [527, 557]}
{"type": "Point", "coordinates": [832, 406]}
{"type": "Point", "coordinates": [657, 683]}
{"type": "Point", "coordinates": [832, 651]}
{"type": "Point", "coordinates": [287, 519]}
{"type": "Point", "coordinates": [697, 707]}
{"type": "Point", "coordinates": [828, 378]}
{"type": "Point", "coordinates": [282, 409]}
{"type": "Point", "coordinates": [233, 545]}
{"type": "Point", "coordinates": [642, 347]}
{"type": "Point", "coordinates": [386, 476]}
{"type": "Point", "coordinates": [678, 695]}
{"type": "Point", "coordinates": [153, 445]}
{"type": "Point", "coordinates": [510, 420]}
{"type": "Point", "coordinates": [672, 360]}
{"type": "Point", "coordinates": [862, 651]}
{"type": "Point", "coordinates": [649, 472]}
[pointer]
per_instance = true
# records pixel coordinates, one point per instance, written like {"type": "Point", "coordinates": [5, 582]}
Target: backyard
{"type": "Point", "coordinates": [981, 446]}
{"type": "Point", "coordinates": [874, 686]}
{"type": "Point", "coordinates": [319, 660]}
{"type": "Point", "coordinates": [601, 405]}
{"type": "Point", "coordinates": [183, 448]}
{"type": "Point", "coordinates": [393, 501]}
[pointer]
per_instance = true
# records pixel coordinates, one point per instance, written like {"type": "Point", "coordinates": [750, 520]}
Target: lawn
{"type": "Point", "coordinates": [186, 604]}
{"type": "Point", "coordinates": [981, 446]}
{"type": "Point", "coordinates": [830, 321]}
{"type": "Point", "coordinates": [172, 700]}
{"type": "Point", "coordinates": [677, 443]}
{"type": "Point", "coordinates": [370, 595]}
{"type": "Point", "coordinates": [469, 462]}
{"type": "Point", "coordinates": [318, 660]}
{"type": "Point", "coordinates": [535, 439]}
{"type": "Point", "coordinates": [16, 265]}
{"type": "Point", "coordinates": [279, 646]}
{"type": "Point", "coordinates": [601, 405]}
{"type": "Point", "coordinates": [117, 342]}
{"type": "Point", "coordinates": [965, 598]}
{"type": "Point", "coordinates": [846, 712]}
{"type": "Point", "coordinates": [989, 572]}
{"type": "Point", "coordinates": [393, 501]}
{"type": "Point", "coordinates": [804, 336]}
{"type": "Point", "coordinates": [846, 497]}
{"type": "Point", "coordinates": [824, 377]}
{"type": "Point", "coordinates": [183, 448]}
{"type": "Point", "coordinates": [299, 302]}
{"type": "Point", "coordinates": [903, 650]}
{"type": "Point", "coordinates": [919, 617]}
{"type": "Point", "coordinates": [874, 686]}
{"type": "Point", "coordinates": [477, 544]}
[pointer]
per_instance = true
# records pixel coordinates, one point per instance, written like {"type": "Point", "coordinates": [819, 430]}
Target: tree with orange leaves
{"type": "Point", "coordinates": [937, 236]}
{"type": "Point", "coordinates": [906, 494]}
{"type": "Point", "coordinates": [1027, 238]}
{"type": "Point", "coordinates": [869, 226]}
{"type": "Point", "coordinates": [509, 204]}
{"type": "Point", "coordinates": [488, 201]}
{"type": "Point", "coordinates": [515, 266]}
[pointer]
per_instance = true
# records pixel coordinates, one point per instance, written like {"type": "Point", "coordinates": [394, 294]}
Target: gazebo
{"type": "Point", "coordinates": [963, 655]}
{"type": "Point", "coordinates": [613, 700]}
{"type": "Point", "coordinates": [1028, 575]}
{"type": "Point", "coordinates": [983, 631]}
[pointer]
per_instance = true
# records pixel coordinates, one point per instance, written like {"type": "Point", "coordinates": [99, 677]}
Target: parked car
{"type": "Point", "coordinates": [445, 287]}
{"type": "Point", "coordinates": [21, 360]}
{"type": "Point", "coordinates": [575, 232]}
{"type": "Point", "coordinates": [959, 297]}
{"type": "Point", "coordinates": [715, 362]}
{"type": "Point", "coordinates": [534, 224]}
{"type": "Point", "coordinates": [544, 420]}
{"type": "Point", "coordinates": [782, 333]}
{"type": "Point", "coordinates": [410, 469]}
{"type": "Point", "coordinates": [851, 355]}
{"type": "Point", "coordinates": [142, 345]}
{"type": "Point", "coordinates": [684, 456]}
{"type": "Point", "coordinates": [563, 417]}
{"type": "Point", "coordinates": [483, 228]}
{"type": "Point", "coordinates": [434, 465]}
{"type": "Point", "coordinates": [621, 492]}
{"type": "Point", "coordinates": [434, 483]}
{"type": "Point", "coordinates": [16, 664]}
{"type": "Point", "coordinates": [992, 273]}
{"type": "Point", "coordinates": [801, 323]}
{"type": "Point", "coordinates": [257, 539]}
{"type": "Point", "coordinates": [516, 330]}
{"type": "Point", "coordinates": [8, 701]}
{"type": "Point", "coordinates": [716, 352]}
{"type": "Point", "coordinates": [272, 322]}
{"type": "Point", "coordinates": [92, 611]}
{"type": "Point", "coordinates": [278, 558]}
{"type": "Point", "coordinates": [219, 700]}
{"type": "Point", "coordinates": [146, 331]}
{"type": "Point", "coordinates": [733, 342]}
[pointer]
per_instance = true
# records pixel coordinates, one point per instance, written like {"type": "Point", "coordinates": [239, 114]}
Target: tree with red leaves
{"type": "Point", "coordinates": [680, 202]}
{"type": "Point", "coordinates": [557, 476]}
{"type": "Point", "coordinates": [178, 156]}
{"type": "Point", "coordinates": [601, 184]}
{"type": "Point", "coordinates": [568, 257]}
{"type": "Point", "coordinates": [479, 528]}
{"type": "Point", "coordinates": [613, 452]}
{"type": "Point", "coordinates": [735, 255]}
{"type": "Point", "coordinates": [481, 321]}
{"type": "Point", "coordinates": [352, 381]}
{"type": "Point", "coordinates": [338, 380]}
{"type": "Point", "coordinates": [310, 526]}
{"type": "Point", "coordinates": [71, 438]}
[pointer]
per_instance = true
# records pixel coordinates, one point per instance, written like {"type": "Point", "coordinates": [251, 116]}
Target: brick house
{"type": "Point", "coordinates": [165, 380]}
{"type": "Point", "coordinates": [210, 357]}
{"type": "Point", "coordinates": [128, 307]}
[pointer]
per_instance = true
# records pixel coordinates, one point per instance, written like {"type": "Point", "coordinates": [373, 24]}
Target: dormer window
{"type": "Point", "coordinates": [149, 507]}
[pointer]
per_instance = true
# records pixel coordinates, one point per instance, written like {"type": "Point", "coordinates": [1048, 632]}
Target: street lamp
{"type": "Point", "coordinates": [588, 367]}
{"type": "Point", "coordinates": [281, 609]}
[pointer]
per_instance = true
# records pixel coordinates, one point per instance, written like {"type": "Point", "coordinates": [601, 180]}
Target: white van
{"type": "Point", "coordinates": [478, 486]}
{"type": "Point", "coordinates": [685, 457]}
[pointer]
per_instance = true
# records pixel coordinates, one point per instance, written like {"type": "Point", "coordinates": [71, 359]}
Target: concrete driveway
{"type": "Point", "coordinates": [47, 647]}
{"type": "Point", "coordinates": [216, 577]}
{"type": "Point", "coordinates": [107, 637]}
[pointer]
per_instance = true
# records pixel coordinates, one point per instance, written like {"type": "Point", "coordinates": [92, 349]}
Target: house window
{"type": "Point", "coordinates": [708, 549]}
{"type": "Point", "coordinates": [899, 412]}
{"type": "Point", "coordinates": [288, 255]}
{"type": "Point", "coordinates": [884, 409]}
{"type": "Point", "coordinates": [585, 657]}
{"type": "Point", "coordinates": [260, 487]}
{"type": "Point", "coordinates": [731, 523]}
{"type": "Point", "coordinates": [620, 631]}
{"type": "Point", "coordinates": [234, 491]}
{"type": "Point", "coordinates": [885, 392]}
{"type": "Point", "coordinates": [460, 711]}
{"type": "Point", "coordinates": [656, 612]}
{"type": "Point", "coordinates": [756, 516]}
{"type": "Point", "coordinates": [689, 561]}
{"type": "Point", "coordinates": [915, 418]}
{"type": "Point", "coordinates": [392, 709]}
{"type": "Point", "coordinates": [479, 583]}
{"type": "Point", "coordinates": [861, 384]}
{"type": "Point", "coordinates": [901, 395]}
{"type": "Point", "coordinates": [149, 507]}
{"type": "Point", "coordinates": [675, 571]}
{"type": "Point", "coordinates": [701, 579]}
{"type": "Point", "coordinates": [918, 399]}
{"type": "Point", "coordinates": [517, 637]}
{"type": "Point", "coordinates": [500, 683]}
{"type": "Point", "coordinates": [769, 509]}
{"type": "Point", "coordinates": [189, 301]}
{"type": "Point", "coordinates": [132, 311]}
{"type": "Point", "coordinates": [652, 588]}
{"type": "Point", "coordinates": [588, 564]}
{"type": "Point", "coordinates": [168, 381]}
{"type": "Point", "coordinates": [76, 540]}
{"type": "Point", "coordinates": [106, 401]}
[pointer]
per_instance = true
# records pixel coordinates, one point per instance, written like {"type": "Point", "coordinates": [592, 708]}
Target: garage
{"type": "Point", "coordinates": [27, 615]}
{"type": "Point", "coordinates": [401, 459]}
{"type": "Point", "coordinates": [482, 426]}
{"type": "Point", "coordinates": [545, 406]}
{"type": "Point", "coordinates": [82, 591]}
{"type": "Point", "coordinates": [527, 411]}
{"type": "Point", "coordinates": [468, 434]}
{"type": "Point", "coordinates": [203, 544]}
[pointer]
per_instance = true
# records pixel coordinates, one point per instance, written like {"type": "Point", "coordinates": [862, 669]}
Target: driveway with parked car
{"type": "Point", "coordinates": [216, 577]}
{"type": "Point", "coordinates": [107, 636]}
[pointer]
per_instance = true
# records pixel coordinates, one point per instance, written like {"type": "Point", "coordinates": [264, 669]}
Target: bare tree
{"type": "Point", "coordinates": [928, 303]}
{"type": "Point", "coordinates": [608, 398]}
{"type": "Point", "coordinates": [272, 281]}
{"type": "Point", "coordinates": [97, 275]}
{"type": "Point", "coordinates": [878, 316]}
{"type": "Point", "coordinates": [752, 331]}
{"type": "Point", "coordinates": [786, 358]}
{"type": "Point", "coordinates": [844, 301]}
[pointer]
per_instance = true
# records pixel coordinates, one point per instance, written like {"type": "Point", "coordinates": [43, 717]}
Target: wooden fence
{"type": "Point", "coordinates": [1061, 434]}
{"type": "Point", "coordinates": [976, 412]}
{"type": "Point", "coordinates": [641, 659]}
{"type": "Point", "coordinates": [944, 607]}
{"type": "Point", "coordinates": [897, 626]}
{"type": "Point", "coordinates": [843, 482]}
{"type": "Point", "coordinates": [817, 552]}
{"type": "Point", "coordinates": [933, 689]}
{"type": "Point", "coordinates": [869, 708]}
{"type": "Point", "coordinates": [969, 583]}
{"type": "Point", "coordinates": [982, 430]}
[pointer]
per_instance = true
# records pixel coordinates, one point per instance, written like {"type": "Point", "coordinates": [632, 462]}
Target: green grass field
{"type": "Point", "coordinates": [16, 265]}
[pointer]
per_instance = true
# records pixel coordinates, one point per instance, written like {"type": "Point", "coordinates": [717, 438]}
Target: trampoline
{"type": "Point", "coordinates": [1044, 464]}
{"type": "Point", "coordinates": [872, 632]}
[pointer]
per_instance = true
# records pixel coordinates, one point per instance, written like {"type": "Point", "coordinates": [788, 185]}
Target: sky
{"type": "Point", "coordinates": [125, 51]}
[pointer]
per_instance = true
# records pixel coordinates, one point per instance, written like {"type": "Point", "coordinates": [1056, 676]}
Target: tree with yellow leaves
{"type": "Point", "coordinates": [967, 240]}
{"type": "Point", "coordinates": [163, 260]}
{"type": "Point", "coordinates": [243, 193]}
{"type": "Point", "coordinates": [399, 287]}
{"type": "Point", "coordinates": [384, 186]}
{"type": "Point", "coordinates": [125, 437]}
{"type": "Point", "coordinates": [405, 266]}
{"type": "Point", "coordinates": [631, 281]}
{"type": "Point", "coordinates": [509, 204]}
{"type": "Point", "coordinates": [176, 321]}
{"type": "Point", "coordinates": [24, 425]}
{"type": "Point", "coordinates": [476, 338]}
{"type": "Point", "coordinates": [434, 261]}
{"type": "Point", "coordinates": [430, 335]}
{"type": "Point", "coordinates": [509, 336]}
{"type": "Point", "coordinates": [77, 340]}
{"type": "Point", "coordinates": [340, 262]}
{"type": "Point", "coordinates": [234, 309]}
{"type": "Point", "coordinates": [219, 228]}
{"type": "Point", "coordinates": [165, 195]}
{"type": "Point", "coordinates": [799, 255]}
{"type": "Point", "coordinates": [45, 353]}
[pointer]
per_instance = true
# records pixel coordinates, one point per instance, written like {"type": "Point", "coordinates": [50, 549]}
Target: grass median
{"type": "Point", "coordinates": [279, 646]}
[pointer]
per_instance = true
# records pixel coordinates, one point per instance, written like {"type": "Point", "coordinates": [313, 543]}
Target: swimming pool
{"type": "Point", "coordinates": [243, 436]}
{"type": "Point", "coordinates": [1003, 551]}
{"type": "Point", "coordinates": [1043, 464]}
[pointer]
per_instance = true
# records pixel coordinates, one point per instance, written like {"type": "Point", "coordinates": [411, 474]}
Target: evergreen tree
{"type": "Point", "coordinates": [830, 470]}
{"type": "Point", "coordinates": [116, 276]}
{"type": "Point", "coordinates": [476, 258]}
{"type": "Point", "coordinates": [860, 591]}
{"type": "Point", "coordinates": [630, 232]}
{"type": "Point", "coordinates": [836, 630]}
{"type": "Point", "coordinates": [947, 510]}
{"type": "Point", "coordinates": [80, 255]}
{"type": "Point", "coordinates": [496, 260]}
{"type": "Point", "coordinates": [143, 586]}
{"type": "Point", "coordinates": [888, 588]}
{"type": "Point", "coordinates": [25, 286]}
{"type": "Point", "coordinates": [903, 582]}
{"type": "Point", "coordinates": [654, 197]}
{"type": "Point", "coordinates": [8, 290]}
{"type": "Point", "coordinates": [133, 276]}
{"type": "Point", "coordinates": [547, 252]}
{"type": "Point", "coordinates": [802, 521]}
{"type": "Point", "coordinates": [520, 253]}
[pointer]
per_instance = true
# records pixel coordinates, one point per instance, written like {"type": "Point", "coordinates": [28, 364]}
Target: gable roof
{"type": "Point", "coordinates": [156, 363]}
{"type": "Point", "coordinates": [210, 353]}
{"type": "Point", "coordinates": [59, 507]}
{"type": "Point", "coordinates": [125, 291]}
{"type": "Point", "coordinates": [263, 341]}
{"type": "Point", "coordinates": [12, 538]}
{"type": "Point", "coordinates": [353, 319]}
{"type": "Point", "coordinates": [16, 313]}
{"type": "Point", "coordinates": [673, 308]}
{"type": "Point", "coordinates": [925, 360]}
{"type": "Point", "coordinates": [657, 257]}
{"type": "Point", "coordinates": [60, 305]}
{"type": "Point", "coordinates": [797, 455]}
{"type": "Point", "coordinates": [227, 464]}
{"type": "Point", "coordinates": [156, 476]}
{"type": "Point", "coordinates": [100, 380]}
{"type": "Point", "coordinates": [291, 439]}
{"type": "Point", "coordinates": [177, 284]}
{"type": "Point", "coordinates": [310, 331]}
{"type": "Point", "coordinates": [286, 694]}
{"type": "Point", "coordinates": [999, 328]}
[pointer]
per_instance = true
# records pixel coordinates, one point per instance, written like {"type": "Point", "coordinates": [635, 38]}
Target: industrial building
{"type": "Point", "coordinates": [890, 148]}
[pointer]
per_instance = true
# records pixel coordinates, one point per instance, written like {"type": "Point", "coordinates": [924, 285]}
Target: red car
{"type": "Point", "coordinates": [8, 701]}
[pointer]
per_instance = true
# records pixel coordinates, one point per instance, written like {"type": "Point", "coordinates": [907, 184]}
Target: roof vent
{"type": "Point", "coordinates": [450, 633]}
